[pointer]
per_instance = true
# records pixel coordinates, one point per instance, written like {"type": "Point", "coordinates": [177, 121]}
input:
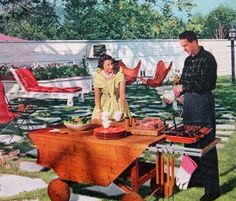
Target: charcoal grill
{"type": "Point", "coordinates": [186, 134]}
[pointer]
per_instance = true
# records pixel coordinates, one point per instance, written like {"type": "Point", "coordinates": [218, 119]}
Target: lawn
{"type": "Point", "coordinates": [141, 105]}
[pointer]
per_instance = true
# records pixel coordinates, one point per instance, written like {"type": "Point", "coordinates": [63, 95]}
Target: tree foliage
{"type": "Point", "coordinates": [219, 21]}
{"type": "Point", "coordinates": [122, 19]}
{"type": "Point", "coordinates": [215, 25]}
{"type": "Point", "coordinates": [110, 19]}
{"type": "Point", "coordinates": [116, 20]}
{"type": "Point", "coordinates": [35, 20]}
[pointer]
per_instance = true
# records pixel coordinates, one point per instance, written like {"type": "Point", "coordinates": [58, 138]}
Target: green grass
{"type": "Point", "coordinates": [226, 94]}
{"type": "Point", "coordinates": [225, 97]}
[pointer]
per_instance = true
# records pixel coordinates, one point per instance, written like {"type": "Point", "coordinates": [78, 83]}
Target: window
{"type": "Point", "coordinates": [99, 49]}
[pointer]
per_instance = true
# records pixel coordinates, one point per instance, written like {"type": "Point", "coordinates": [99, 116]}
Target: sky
{"type": "Point", "coordinates": [206, 6]}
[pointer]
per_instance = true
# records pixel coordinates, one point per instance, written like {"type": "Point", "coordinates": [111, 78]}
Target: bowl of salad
{"type": "Point", "coordinates": [76, 123]}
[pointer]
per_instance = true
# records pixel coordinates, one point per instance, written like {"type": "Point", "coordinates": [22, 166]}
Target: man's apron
{"type": "Point", "coordinates": [199, 109]}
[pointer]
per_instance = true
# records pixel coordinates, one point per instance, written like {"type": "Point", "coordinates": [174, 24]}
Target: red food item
{"type": "Point", "coordinates": [151, 123]}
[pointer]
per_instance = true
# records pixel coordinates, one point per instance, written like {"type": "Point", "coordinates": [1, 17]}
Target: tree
{"type": "Point", "coordinates": [38, 22]}
{"type": "Point", "coordinates": [219, 21]}
{"type": "Point", "coordinates": [123, 19]}
{"type": "Point", "coordinates": [94, 19]}
{"type": "Point", "coordinates": [197, 24]}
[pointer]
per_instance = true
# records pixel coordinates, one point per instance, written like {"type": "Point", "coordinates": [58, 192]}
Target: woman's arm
{"type": "Point", "coordinates": [97, 100]}
{"type": "Point", "coordinates": [122, 95]}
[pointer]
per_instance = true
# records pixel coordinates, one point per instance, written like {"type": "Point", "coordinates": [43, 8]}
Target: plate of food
{"type": "Point", "coordinates": [76, 123]}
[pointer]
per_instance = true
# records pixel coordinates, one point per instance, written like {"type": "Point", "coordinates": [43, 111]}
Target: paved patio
{"type": "Point", "coordinates": [54, 112]}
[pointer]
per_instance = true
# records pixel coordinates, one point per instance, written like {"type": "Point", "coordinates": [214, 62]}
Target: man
{"type": "Point", "coordinates": [197, 81]}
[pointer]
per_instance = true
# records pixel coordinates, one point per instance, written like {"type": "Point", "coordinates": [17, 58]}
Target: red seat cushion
{"type": "Point", "coordinates": [7, 118]}
{"type": "Point", "coordinates": [160, 74]}
{"type": "Point", "coordinates": [5, 115]}
{"type": "Point", "coordinates": [54, 89]}
{"type": "Point", "coordinates": [26, 78]}
{"type": "Point", "coordinates": [30, 83]}
{"type": "Point", "coordinates": [129, 73]}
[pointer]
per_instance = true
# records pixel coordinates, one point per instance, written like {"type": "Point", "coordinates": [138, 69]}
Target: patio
{"type": "Point", "coordinates": [143, 102]}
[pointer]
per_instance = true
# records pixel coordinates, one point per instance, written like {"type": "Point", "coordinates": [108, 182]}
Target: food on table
{"type": "Point", "coordinates": [151, 123]}
{"type": "Point", "coordinates": [76, 120]}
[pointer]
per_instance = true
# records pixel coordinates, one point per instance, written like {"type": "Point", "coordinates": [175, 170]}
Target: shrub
{"type": "Point", "coordinates": [51, 71]}
{"type": "Point", "coordinates": [56, 70]}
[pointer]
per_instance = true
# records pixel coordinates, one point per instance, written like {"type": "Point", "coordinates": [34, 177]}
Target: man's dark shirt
{"type": "Point", "coordinates": [199, 73]}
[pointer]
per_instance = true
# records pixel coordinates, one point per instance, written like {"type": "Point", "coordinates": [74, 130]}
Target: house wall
{"type": "Point", "coordinates": [130, 51]}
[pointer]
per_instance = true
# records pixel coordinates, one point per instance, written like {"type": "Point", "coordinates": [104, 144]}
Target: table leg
{"type": "Point", "coordinates": [58, 190]}
{"type": "Point", "coordinates": [134, 177]}
{"type": "Point", "coordinates": [167, 183]}
{"type": "Point", "coordinates": [160, 172]}
{"type": "Point", "coordinates": [165, 180]}
{"type": "Point", "coordinates": [172, 172]}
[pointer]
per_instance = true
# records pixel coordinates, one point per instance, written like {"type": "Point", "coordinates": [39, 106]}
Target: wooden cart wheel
{"type": "Point", "coordinates": [58, 190]}
{"type": "Point", "coordinates": [132, 196]}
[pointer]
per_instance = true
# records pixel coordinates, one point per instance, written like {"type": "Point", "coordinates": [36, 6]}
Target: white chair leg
{"type": "Point", "coordinates": [70, 101]}
{"type": "Point", "coordinates": [82, 97]}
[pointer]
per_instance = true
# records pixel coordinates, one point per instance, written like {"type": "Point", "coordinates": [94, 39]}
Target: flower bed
{"type": "Point", "coordinates": [56, 70]}
{"type": "Point", "coordinates": [50, 71]}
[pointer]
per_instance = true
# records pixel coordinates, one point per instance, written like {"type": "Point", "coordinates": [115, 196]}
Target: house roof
{"type": "Point", "coordinates": [10, 38]}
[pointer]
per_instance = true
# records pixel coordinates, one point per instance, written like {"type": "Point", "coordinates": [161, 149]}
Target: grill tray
{"type": "Point", "coordinates": [186, 134]}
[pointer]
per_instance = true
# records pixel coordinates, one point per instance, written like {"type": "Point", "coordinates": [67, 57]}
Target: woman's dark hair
{"type": "Point", "coordinates": [102, 59]}
{"type": "Point", "coordinates": [105, 57]}
{"type": "Point", "coordinates": [189, 35]}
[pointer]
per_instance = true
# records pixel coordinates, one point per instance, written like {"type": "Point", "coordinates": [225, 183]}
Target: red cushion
{"type": "Point", "coordinates": [6, 118]}
{"type": "Point", "coordinates": [5, 115]}
{"type": "Point", "coordinates": [26, 78]}
{"type": "Point", "coordinates": [54, 89]}
{"type": "Point", "coordinates": [160, 74]}
{"type": "Point", "coordinates": [30, 83]}
{"type": "Point", "coordinates": [72, 89]}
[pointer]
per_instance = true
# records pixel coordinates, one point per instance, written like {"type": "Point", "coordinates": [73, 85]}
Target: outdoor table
{"type": "Point", "coordinates": [78, 156]}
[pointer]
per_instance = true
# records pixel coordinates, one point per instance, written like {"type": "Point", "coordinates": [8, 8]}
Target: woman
{"type": "Point", "coordinates": [109, 89]}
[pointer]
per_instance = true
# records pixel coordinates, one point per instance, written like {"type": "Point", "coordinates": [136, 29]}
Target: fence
{"type": "Point", "coordinates": [130, 51]}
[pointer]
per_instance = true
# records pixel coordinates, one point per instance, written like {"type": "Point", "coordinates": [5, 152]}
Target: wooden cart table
{"type": "Point", "coordinates": [78, 156]}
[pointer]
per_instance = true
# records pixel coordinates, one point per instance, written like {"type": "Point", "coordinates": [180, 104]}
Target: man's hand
{"type": "Point", "coordinates": [178, 89]}
{"type": "Point", "coordinates": [168, 97]}
{"type": "Point", "coordinates": [180, 99]}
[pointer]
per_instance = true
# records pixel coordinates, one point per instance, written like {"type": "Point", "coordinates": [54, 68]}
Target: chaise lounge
{"type": "Point", "coordinates": [29, 88]}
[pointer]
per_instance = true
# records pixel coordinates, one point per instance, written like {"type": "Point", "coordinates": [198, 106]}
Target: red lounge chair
{"type": "Point", "coordinates": [159, 75]}
{"type": "Point", "coordinates": [7, 117]}
{"type": "Point", "coordinates": [31, 89]}
{"type": "Point", "coordinates": [130, 73]}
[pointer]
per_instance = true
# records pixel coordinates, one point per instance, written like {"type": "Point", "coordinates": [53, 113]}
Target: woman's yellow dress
{"type": "Point", "coordinates": [110, 93]}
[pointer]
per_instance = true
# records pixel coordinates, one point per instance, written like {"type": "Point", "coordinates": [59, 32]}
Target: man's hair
{"type": "Point", "coordinates": [189, 35]}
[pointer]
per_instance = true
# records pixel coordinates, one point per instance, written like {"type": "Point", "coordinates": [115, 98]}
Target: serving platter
{"type": "Point", "coordinates": [111, 133]}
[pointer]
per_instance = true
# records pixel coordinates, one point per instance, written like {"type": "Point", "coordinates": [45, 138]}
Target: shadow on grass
{"type": "Point", "coordinates": [82, 190]}
{"type": "Point", "coordinates": [228, 171]}
{"type": "Point", "coordinates": [228, 186]}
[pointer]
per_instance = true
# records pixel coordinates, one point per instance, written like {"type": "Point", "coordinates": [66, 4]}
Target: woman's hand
{"type": "Point", "coordinates": [99, 114]}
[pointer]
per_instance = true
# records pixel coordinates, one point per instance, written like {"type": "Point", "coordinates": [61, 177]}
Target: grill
{"type": "Point", "coordinates": [186, 134]}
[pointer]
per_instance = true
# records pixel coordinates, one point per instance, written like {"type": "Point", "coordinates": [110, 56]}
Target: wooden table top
{"type": "Point", "coordinates": [79, 156]}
